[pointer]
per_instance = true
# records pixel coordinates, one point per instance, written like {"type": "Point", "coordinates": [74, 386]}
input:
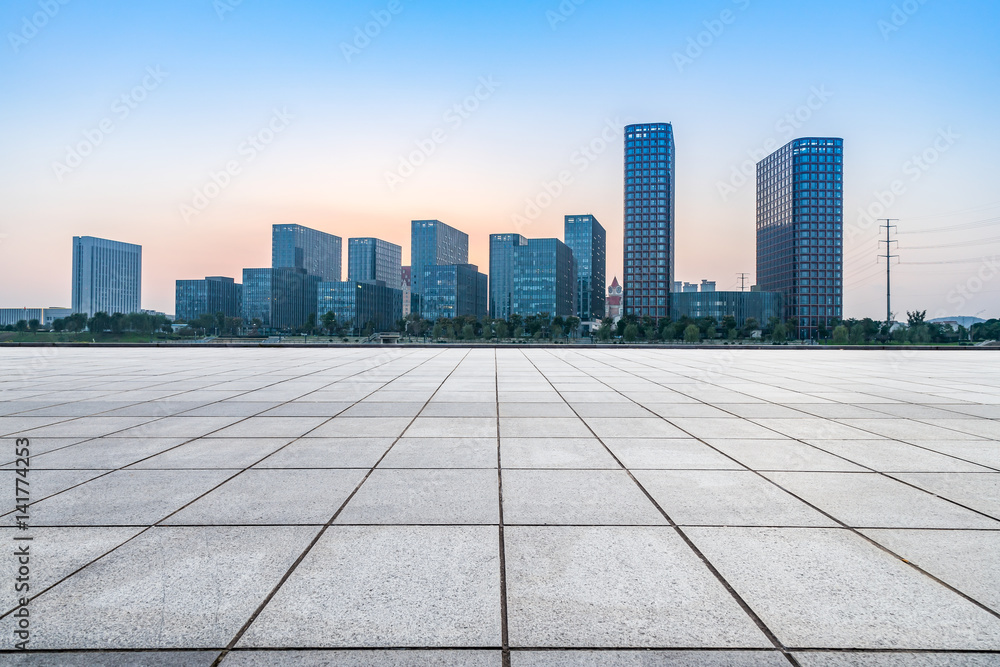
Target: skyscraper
{"type": "Point", "coordinates": [298, 247]}
{"type": "Point", "coordinates": [281, 299]}
{"type": "Point", "coordinates": [433, 243]}
{"type": "Point", "coordinates": [374, 259]}
{"type": "Point", "coordinates": [800, 206]}
{"type": "Point", "coordinates": [649, 219]}
{"type": "Point", "coordinates": [107, 276]}
{"type": "Point", "coordinates": [586, 238]}
{"type": "Point", "coordinates": [454, 290]}
{"type": "Point", "coordinates": [530, 277]}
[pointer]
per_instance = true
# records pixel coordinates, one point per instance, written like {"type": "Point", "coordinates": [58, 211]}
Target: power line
{"type": "Point", "coordinates": [960, 244]}
{"type": "Point", "coordinates": [974, 224]}
{"type": "Point", "coordinates": [949, 261]}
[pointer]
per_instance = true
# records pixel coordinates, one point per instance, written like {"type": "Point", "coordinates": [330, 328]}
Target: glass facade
{"type": "Point", "coordinates": [107, 276]}
{"type": "Point", "coordinates": [215, 294]}
{"type": "Point", "coordinates": [649, 219]}
{"type": "Point", "coordinates": [587, 239]}
{"type": "Point", "coordinates": [359, 305]}
{"type": "Point", "coordinates": [282, 299]}
{"type": "Point", "coordinates": [800, 207]}
{"type": "Point", "coordinates": [761, 306]}
{"type": "Point", "coordinates": [374, 259]}
{"type": "Point", "coordinates": [297, 247]}
{"type": "Point", "coordinates": [454, 290]}
{"type": "Point", "coordinates": [531, 276]}
{"type": "Point", "coordinates": [433, 243]}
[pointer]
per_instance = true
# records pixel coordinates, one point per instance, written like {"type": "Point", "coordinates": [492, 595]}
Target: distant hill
{"type": "Point", "coordinates": [964, 320]}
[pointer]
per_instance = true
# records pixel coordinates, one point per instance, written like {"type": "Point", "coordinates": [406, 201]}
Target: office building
{"type": "Point", "coordinates": [297, 247]}
{"type": "Point", "coordinates": [707, 285]}
{"type": "Point", "coordinates": [212, 295]}
{"type": "Point", "coordinates": [50, 315]}
{"type": "Point", "coordinates": [587, 239]}
{"type": "Point", "coordinates": [11, 316]}
{"type": "Point", "coordinates": [406, 290]}
{"type": "Point", "coordinates": [359, 306]}
{"type": "Point", "coordinates": [281, 299]}
{"type": "Point", "coordinates": [530, 277]}
{"type": "Point", "coordinates": [454, 290]}
{"type": "Point", "coordinates": [800, 196]}
{"type": "Point", "coordinates": [374, 259]}
{"type": "Point", "coordinates": [433, 243]}
{"type": "Point", "coordinates": [761, 306]}
{"type": "Point", "coordinates": [107, 276]}
{"type": "Point", "coordinates": [614, 307]}
{"type": "Point", "coordinates": [649, 219]}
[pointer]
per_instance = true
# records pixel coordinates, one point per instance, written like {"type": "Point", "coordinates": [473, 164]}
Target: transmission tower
{"type": "Point", "coordinates": [743, 280]}
{"type": "Point", "coordinates": [888, 257]}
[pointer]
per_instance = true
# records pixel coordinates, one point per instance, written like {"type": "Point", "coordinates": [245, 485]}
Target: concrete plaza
{"type": "Point", "coordinates": [522, 506]}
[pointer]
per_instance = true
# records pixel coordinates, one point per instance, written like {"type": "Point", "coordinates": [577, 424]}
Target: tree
{"type": "Point", "coordinates": [58, 324]}
{"type": "Point", "coordinates": [631, 332]}
{"type": "Point", "coordinates": [117, 323]}
{"type": "Point", "coordinates": [840, 335]}
{"type": "Point", "coordinates": [518, 331]}
{"type": "Point", "coordinates": [604, 333]}
{"type": "Point", "coordinates": [858, 334]}
{"type": "Point", "coordinates": [99, 323]}
{"type": "Point", "coordinates": [778, 333]}
{"type": "Point", "coordinates": [438, 330]}
{"type": "Point", "coordinates": [22, 325]}
{"type": "Point", "coordinates": [501, 329]}
{"type": "Point", "coordinates": [33, 325]}
{"type": "Point", "coordinates": [916, 318]}
{"type": "Point", "coordinates": [468, 332]}
{"type": "Point", "coordinates": [692, 334]}
{"type": "Point", "coordinates": [572, 326]}
{"type": "Point", "coordinates": [557, 331]}
{"type": "Point", "coordinates": [329, 320]}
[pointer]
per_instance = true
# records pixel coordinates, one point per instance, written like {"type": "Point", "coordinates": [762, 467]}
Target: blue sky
{"type": "Point", "coordinates": [891, 78]}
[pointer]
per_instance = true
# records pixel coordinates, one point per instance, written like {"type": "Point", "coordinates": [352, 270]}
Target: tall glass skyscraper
{"type": "Point", "coordinates": [433, 243]}
{"type": "Point", "coordinates": [649, 219]}
{"type": "Point", "coordinates": [454, 290]}
{"type": "Point", "coordinates": [361, 304]}
{"type": "Point", "coordinates": [587, 239]}
{"type": "Point", "coordinates": [530, 277]}
{"type": "Point", "coordinates": [375, 259]}
{"type": "Point", "coordinates": [298, 247]}
{"type": "Point", "coordinates": [215, 294]}
{"type": "Point", "coordinates": [800, 229]}
{"type": "Point", "coordinates": [281, 299]}
{"type": "Point", "coordinates": [107, 276]}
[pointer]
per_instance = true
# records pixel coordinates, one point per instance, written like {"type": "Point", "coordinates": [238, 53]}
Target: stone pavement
{"type": "Point", "coordinates": [519, 506]}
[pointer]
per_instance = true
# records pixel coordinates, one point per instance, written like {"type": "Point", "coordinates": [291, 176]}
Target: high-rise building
{"type": "Point", "coordinates": [530, 277]}
{"type": "Point", "coordinates": [281, 299]}
{"type": "Point", "coordinates": [298, 247]}
{"type": "Point", "coordinates": [800, 206]}
{"type": "Point", "coordinates": [406, 290]}
{"type": "Point", "coordinates": [454, 290]}
{"type": "Point", "coordinates": [761, 306]}
{"type": "Point", "coordinates": [215, 294]}
{"type": "Point", "coordinates": [360, 305]}
{"type": "Point", "coordinates": [374, 259]}
{"type": "Point", "coordinates": [587, 239]}
{"type": "Point", "coordinates": [649, 219]}
{"type": "Point", "coordinates": [107, 276]}
{"type": "Point", "coordinates": [433, 243]}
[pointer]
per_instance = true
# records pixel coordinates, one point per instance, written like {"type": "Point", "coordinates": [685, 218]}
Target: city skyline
{"type": "Point", "coordinates": [917, 120]}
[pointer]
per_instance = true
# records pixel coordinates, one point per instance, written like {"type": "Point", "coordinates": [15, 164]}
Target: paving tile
{"type": "Point", "coordinates": [894, 456]}
{"type": "Point", "coordinates": [806, 585]}
{"type": "Point", "coordinates": [442, 453]}
{"type": "Point", "coordinates": [395, 496]}
{"type": "Point", "coordinates": [275, 497]}
{"type": "Point", "coordinates": [819, 429]}
{"type": "Point", "coordinates": [616, 587]}
{"type": "Point", "coordinates": [178, 427]}
{"type": "Point", "coordinates": [731, 427]}
{"type": "Point", "coordinates": [126, 498]}
{"type": "Point", "coordinates": [437, 409]}
{"type": "Point", "coordinates": [112, 659]}
{"type": "Point", "coordinates": [45, 483]}
{"type": "Point", "coordinates": [980, 491]}
{"type": "Point", "coordinates": [862, 659]}
{"type": "Point", "coordinates": [548, 410]}
{"type": "Point", "coordinates": [270, 427]}
{"type": "Point", "coordinates": [905, 429]}
{"type": "Point", "coordinates": [233, 453]}
{"type": "Point", "coordinates": [726, 497]}
{"type": "Point", "coordinates": [104, 453]}
{"type": "Point", "coordinates": [874, 501]}
{"type": "Point", "coordinates": [452, 427]}
{"type": "Point", "coordinates": [543, 427]}
{"type": "Point", "coordinates": [782, 455]}
{"type": "Point", "coordinates": [168, 588]}
{"type": "Point", "coordinates": [429, 586]}
{"type": "Point", "coordinates": [647, 658]}
{"type": "Point", "coordinates": [575, 497]}
{"type": "Point", "coordinates": [329, 453]}
{"type": "Point", "coordinates": [364, 658]}
{"type": "Point", "coordinates": [352, 427]}
{"type": "Point", "coordinates": [667, 453]}
{"type": "Point", "coordinates": [555, 453]}
{"type": "Point", "coordinates": [634, 428]}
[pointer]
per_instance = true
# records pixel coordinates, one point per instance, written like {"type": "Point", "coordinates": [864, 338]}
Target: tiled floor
{"type": "Point", "coordinates": [524, 507]}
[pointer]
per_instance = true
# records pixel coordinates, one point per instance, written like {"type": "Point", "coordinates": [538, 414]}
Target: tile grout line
{"type": "Point", "coordinates": [504, 623]}
{"type": "Point", "coordinates": [757, 620]}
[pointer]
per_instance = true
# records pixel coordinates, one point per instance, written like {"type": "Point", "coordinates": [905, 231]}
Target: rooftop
{"type": "Point", "coordinates": [510, 506]}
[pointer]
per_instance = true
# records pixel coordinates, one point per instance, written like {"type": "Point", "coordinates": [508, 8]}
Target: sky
{"type": "Point", "coordinates": [191, 126]}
